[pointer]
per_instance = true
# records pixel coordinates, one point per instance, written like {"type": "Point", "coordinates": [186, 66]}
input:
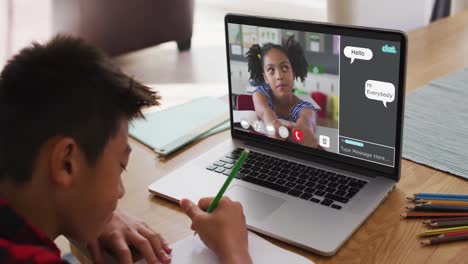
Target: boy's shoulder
{"type": "Point", "coordinates": [11, 252]}
{"type": "Point", "coordinates": [21, 242]}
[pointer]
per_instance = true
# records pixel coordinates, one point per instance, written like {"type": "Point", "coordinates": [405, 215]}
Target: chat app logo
{"type": "Point", "coordinates": [380, 91]}
{"type": "Point", "coordinates": [389, 49]}
{"type": "Point", "coordinates": [357, 53]}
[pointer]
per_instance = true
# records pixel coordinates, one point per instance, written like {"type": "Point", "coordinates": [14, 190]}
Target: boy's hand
{"type": "Point", "coordinates": [224, 230]}
{"type": "Point", "coordinates": [124, 231]}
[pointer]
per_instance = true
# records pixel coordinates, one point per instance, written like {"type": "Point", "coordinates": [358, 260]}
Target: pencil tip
{"type": "Point", "coordinates": [425, 242]}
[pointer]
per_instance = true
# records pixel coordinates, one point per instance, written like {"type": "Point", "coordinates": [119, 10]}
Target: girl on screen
{"type": "Point", "coordinates": [273, 69]}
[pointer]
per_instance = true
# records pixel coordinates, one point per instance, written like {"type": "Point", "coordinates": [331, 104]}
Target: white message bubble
{"type": "Point", "coordinates": [380, 91]}
{"type": "Point", "coordinates": [357, 53]}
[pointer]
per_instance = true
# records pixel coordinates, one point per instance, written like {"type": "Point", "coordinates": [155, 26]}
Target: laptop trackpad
{"type": "Point", "coordinates": [257, 205]}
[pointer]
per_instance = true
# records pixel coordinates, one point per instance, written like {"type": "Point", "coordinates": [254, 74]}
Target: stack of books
{"type": "Point", "coordinates": [446, 216]}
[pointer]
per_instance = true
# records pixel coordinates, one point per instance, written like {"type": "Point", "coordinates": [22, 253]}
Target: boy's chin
{"type": "Point", "coordinates": [83, 236]}
{"type": "Point", "coordinates": [98, 231]}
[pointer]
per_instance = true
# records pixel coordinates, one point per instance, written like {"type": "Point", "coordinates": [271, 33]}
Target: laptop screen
{"type": "Point", "coordinates": [325, 88]}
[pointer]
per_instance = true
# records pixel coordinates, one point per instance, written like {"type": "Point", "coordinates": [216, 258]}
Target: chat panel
{"type": "Point", "coordinates": [369, 82]}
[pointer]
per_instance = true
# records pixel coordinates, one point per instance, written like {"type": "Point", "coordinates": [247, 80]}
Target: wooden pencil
{"type": "Point", "coordinates": [450, 223]}
{"type": "Point", "coordinates": [440, 240]}
{"type": "Point", "coordinates": [442, 195]}
{"type": "Point", "coordinates": [440, 231]}
{"type": "Point", "coordinates": [417, 198]}
{"type": "Point", "coordinates": [429, 215]}
{"type": "Point", "coordinates": [437, 220]}
{"type": "Point", "coordinates": [437, 208]}
{"type": "Point", "coordinates": [441, 202]}
{"type": "Point", "coordinates": [453, 234]}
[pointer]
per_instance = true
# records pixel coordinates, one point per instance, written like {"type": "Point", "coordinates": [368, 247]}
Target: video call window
{"type": "Point", "coordinates": [328, 92]}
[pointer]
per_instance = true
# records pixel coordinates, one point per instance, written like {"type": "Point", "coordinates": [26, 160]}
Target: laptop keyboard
{"type": "Point", "coordinates": [316, 185]}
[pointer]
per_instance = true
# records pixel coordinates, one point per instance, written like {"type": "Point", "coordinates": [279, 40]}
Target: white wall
{"type": "Point", "coordinates": [397, 14]}
{"type": "Point", "coordinates": [3, 32]}
{"type": "Point", "coordinates": [312, 10]}
{"type": "Point", "coordinates": [459, 6]}
{"type": "Point", "coordinates": [31, 21]}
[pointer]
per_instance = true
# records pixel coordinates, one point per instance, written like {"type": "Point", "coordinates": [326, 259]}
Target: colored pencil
{"type": "Point", "coordinates": [440, 240]}
{"type": "Point", "coordinates": [429, 215]}
{"type": "Point", "coordinates": [449, 195]}
{"type": "Point", "coordinates": [417, 198]}
{"type": "Point", "coordinates": [453, 234]}
{"type": "Point", "coordinates": [438, 220]}
{"type": "Point", "coordinates": [233, 174]}
{"type": "Point", "coordinates": [450, 223]}
{"type": "Point", "coordinates": [438, 208]}
{"type": "Point", "coordinates": [441, 202]}
{"type": "Point", "coordinates": [439, 231]}
{"type": "Point", "coordinates": [439, 197]}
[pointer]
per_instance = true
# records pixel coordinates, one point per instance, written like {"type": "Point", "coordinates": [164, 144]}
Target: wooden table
{"type": "Point", "coordinates": [434, 51]}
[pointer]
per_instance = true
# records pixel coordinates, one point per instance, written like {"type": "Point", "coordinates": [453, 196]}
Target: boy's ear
{"type": "Point", "coordinates": [64, 160]}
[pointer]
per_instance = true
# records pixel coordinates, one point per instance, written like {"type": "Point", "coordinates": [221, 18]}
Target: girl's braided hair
{"type": "Point", "coordinates": [291, 48]}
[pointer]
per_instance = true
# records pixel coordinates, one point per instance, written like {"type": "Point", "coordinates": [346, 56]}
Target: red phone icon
{"type": "Point", "coordinates": [297, 135]}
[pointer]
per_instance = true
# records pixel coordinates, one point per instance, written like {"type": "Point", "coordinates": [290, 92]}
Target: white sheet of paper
{"type": "Point", "coordinates": [192, 250]}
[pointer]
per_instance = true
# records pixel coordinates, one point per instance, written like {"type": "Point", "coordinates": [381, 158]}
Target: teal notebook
{"type": "Point", "coordinates": [170, 129]}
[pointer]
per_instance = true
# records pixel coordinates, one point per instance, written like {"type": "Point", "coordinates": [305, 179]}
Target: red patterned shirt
{"type": "Point", "coordinates": [22, 242]}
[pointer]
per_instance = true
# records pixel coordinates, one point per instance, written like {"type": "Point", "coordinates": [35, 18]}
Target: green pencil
{"type": "Point", "coordinates": [233, 174]}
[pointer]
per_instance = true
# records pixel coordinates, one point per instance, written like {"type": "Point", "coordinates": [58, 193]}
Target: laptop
{"type": "Point", "coordinates": [315, 178]}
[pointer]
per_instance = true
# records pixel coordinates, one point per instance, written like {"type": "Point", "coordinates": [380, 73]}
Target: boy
{"type": "Point", "coordinates": [64, 110]}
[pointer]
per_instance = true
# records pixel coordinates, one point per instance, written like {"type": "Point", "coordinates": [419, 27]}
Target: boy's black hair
{"type": "Point", "coordinates": [64, 88]}
{"type": "Point", "coordinates": [291, 48]}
